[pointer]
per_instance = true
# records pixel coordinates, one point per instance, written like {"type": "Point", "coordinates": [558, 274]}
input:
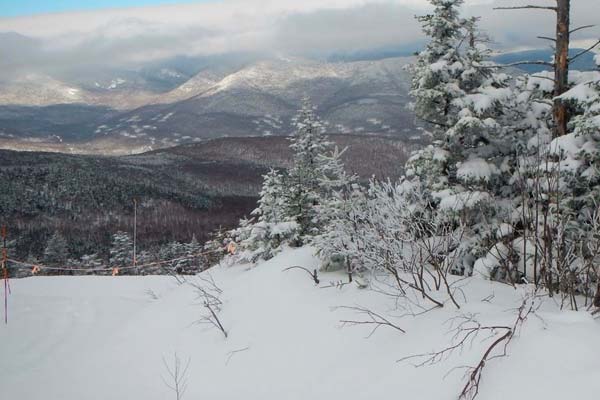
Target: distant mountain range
{"type": "Point", "coordinates": [191, 99]}
{"type": "Point", "coordinates": [363, 97]}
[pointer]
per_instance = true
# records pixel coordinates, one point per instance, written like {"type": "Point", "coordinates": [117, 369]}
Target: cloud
{"type": "Point", "coordinates": [130, 37]}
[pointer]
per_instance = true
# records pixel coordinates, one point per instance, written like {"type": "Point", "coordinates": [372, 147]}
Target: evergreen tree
{"type": "Point", "coordinates": [195, 260]}
{"type": "Point", "coordinates": [271, 204]}
{"type": "Point", "coordinates": [121, 250]}
{"type": "Point", "coordinates": [56, 251]}
{"type": "Point", "coordinates": [303, 190]}
{"type": "Point", "coordinates": [457, 93]}
{"type": "Point", "coordinates": [90, 261]}
{"type": "Point", "coordinates": [438, 66]}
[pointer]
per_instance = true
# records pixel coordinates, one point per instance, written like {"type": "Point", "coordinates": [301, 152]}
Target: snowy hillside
{"type": "Point", "coordinates": [105, 338]}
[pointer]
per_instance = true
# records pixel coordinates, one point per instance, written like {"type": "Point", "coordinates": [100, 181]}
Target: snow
{"type": "Point", "coordinates": [487, 97]}
{"type": "Point", "coordinates": [504, 230]}
{"type": "Point", "coordinates": [464, 200]}
{"type": "Point", "coordinates": [476, 169]}
{"type": "Point", "coordinates": [569, 145]}
{"type": "Point", "coordinates": [104, 338]}
{"type": "Point", "coordinates": [543, 81]}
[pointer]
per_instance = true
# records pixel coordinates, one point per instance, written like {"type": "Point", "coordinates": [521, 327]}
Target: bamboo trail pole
{"type": "Point", "coordinates": [135, 233]}
{"type": "Point", "coordinates": [5, 272]}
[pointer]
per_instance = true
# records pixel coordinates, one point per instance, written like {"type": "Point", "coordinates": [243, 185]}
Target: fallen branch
{"type": "Point", "coordinates": [373, 319]}
{"type": "Point", "coordinates": [313, 274]}
{"type": "Point", "coordinates": [213, 319]}
{"type": "Point", "coordinates": [465, 334]}
{"type": "Point", "coordinates": [234, 352]}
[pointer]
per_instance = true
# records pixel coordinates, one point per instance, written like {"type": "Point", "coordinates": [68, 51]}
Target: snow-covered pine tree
{"type": "Point", "coordinates": [334, 183]}
{"type": "Point", "coordinates": [296, 206]}
{"type": "Point", "coordinates": [462, 99]}
{"type": "Point", "coordinates": [303, 189]}
{"type": "Point", "coordinates": [193, 251]}
{"type": "Point", "coordinates": [56, 251]}
{"type": "Point", "coordinates": [271, 204]}
{"type": "Point", "coordinates": [174, 257]}
{"type": "Point", "coordinates": [121, 250]}
{"type": "Point", "coordinates": [340, 198]}
{"type": "Point", "coordinates": [90, 261]}
{"type": "Point", "coordinates": [435, 86]}
{"type": "Point", "coordinates": [438, 67]}
{"type": "Point", "coordinates": [271, 227]}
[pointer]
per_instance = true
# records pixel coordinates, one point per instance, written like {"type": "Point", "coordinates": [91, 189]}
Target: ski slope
{"type": "Point", "coordinates": [88, 338]}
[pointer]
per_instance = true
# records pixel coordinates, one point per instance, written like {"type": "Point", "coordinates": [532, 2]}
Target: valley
{"type": "Point", "coordinates": [182, 192]}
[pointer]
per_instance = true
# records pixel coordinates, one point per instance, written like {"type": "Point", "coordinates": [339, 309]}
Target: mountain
{"type": "Point", "coordinates": [259, 99]}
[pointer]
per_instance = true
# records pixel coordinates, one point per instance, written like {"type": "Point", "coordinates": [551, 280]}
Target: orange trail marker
{"type": "Point", "coordinates": [231, 248]}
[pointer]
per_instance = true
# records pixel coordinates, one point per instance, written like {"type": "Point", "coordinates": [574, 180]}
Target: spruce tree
{"type": "Point", "coordinates": [463, 101]}
{"type": "Point", "coordinates": [121, 250]}
{"type": "Point", "coordinates": [56, 251]}
{"type": "Point", "coordinates": [303, 190]}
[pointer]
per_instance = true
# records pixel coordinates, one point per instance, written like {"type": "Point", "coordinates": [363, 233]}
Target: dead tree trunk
{"type": "Point", "coordinates": [561, 66]}
{"type": "Point", "coordinates": [561, 59]}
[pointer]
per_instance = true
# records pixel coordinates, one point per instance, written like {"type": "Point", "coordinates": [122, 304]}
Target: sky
{"type": "Point", "coordinates": [13, 8]}
{"type": "Point", "coordinates": [131, 36]}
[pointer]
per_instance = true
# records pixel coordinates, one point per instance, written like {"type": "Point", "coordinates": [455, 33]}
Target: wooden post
{"type": "Point", "coordinates": [560, 65]}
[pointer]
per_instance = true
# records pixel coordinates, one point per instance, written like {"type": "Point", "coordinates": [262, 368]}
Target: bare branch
{"type": "Point", "coordinates": [528, 7]}
{"type": "Point", "coordinates": [546, 63]}
{"type": "Point", "coordinates": [584, 51]}
{"type": "Point", "coordinates": [581, 28]}
{"type": "Point", "coordinates": [313, 274]}
{"type": "Point", "coordinates": [465, 333]}
{"type": "Point", "coordinates": [546, 38]}
{"type": "Point", "coordinates": [234, 352]}
{"type": "Point", "coordinates": [209, 295]}
{"type": "Point", "coordinates": [177, 376]}
{"type": "Point", "coordinates": [373, 319]}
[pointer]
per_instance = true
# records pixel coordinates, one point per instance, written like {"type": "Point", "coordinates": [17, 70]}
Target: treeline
{"type": "Point", "coordinates": [88, 199]}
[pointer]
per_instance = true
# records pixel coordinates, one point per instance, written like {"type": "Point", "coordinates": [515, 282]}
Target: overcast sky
{"type": "Point", "coordinates": [297, 27]}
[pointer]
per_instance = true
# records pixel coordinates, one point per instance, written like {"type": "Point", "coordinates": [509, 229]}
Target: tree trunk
{"type": "Point", "coordinates": [561, 67]}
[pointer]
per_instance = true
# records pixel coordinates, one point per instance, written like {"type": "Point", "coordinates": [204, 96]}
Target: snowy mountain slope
{"type": "Point", "coordinates": [358, 97]}
{"type": "Point", "coordinates": [41, 90]}
{"type": "Point", "coordinates": [258, 99]}
{"type": "Point", "coordinates": [103, 337]}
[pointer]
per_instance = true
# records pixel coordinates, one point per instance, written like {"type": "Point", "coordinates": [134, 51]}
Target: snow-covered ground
{"type": "Point", "coordinates": [85, 338]}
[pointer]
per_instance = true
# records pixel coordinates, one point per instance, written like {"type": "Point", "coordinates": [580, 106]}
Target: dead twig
{"type": "Point", "coordinates": [234, 352]}
{"type": "Point", "coordinates": [177, 376]}
{"type": "Point", "coordinates": [374, 319]}
{"type": "Point", "coordinates": [313, 275]}
{"type": "Point", "coordinates": [465, 333]}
